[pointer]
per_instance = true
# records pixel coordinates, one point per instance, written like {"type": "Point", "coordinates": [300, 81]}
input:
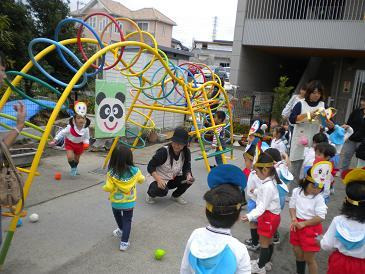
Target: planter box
{"type": "Point", "coordinates": [22, 157]}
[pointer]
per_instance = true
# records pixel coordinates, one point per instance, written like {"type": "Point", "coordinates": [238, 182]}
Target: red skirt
{"type": "Point", "coordinates": [306, 237]}
{"type": "Point", "coordinates": [77, 148]}
{"type": "Point", "coordinates": [267, 224]}
{"type": "Point", "coordinates": [342, 264]}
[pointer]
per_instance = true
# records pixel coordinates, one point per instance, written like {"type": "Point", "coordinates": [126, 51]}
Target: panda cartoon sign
{"type": "Point", "coordinates": [109, 109]}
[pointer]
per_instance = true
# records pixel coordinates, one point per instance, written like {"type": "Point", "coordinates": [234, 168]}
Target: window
{"type": "Point", "coordinates": [100, 25]}
{"type": "Point", "coordinates": [120, 25]}
{"type": "Point", "coordinates": [143, 26]}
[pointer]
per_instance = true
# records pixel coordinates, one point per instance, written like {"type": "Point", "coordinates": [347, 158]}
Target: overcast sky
{"type": "Point", "coordinates": [194, 18]}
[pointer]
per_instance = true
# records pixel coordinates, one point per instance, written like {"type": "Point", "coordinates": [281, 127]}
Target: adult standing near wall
{"type": "Point", "coordinates": [357, 122]}
{"type": "Point", "coordinates": [170, 168]}
{"type": "Point", "coordinates": [21, 111]}
{"type": "Point", "coordinates": [289, 108]}
{"type": "Point", "coordinates": [305, 127]}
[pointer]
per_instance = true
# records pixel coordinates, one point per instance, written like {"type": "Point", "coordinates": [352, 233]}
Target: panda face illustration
{"type": "Point", "coordinates": [110, 112]}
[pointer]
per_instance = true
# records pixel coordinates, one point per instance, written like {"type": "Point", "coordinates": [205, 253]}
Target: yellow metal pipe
{"type": "Point", "coordinates": [206, 129]}
{"type": "Point", "coordinates": [162, 109]}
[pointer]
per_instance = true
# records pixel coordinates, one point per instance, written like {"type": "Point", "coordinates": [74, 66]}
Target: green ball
{"type": "Point", "coordinates": [159, 253]}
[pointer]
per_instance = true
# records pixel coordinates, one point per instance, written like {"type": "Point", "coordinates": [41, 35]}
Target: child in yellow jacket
{"type": "Point", "coordinates": [121, 181]}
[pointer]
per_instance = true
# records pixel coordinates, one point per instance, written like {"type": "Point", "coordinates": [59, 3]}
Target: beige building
{"type": "Point", "coordinates": [148, 19]}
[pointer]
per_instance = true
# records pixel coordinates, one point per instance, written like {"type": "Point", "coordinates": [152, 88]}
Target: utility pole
{"type": "Point", "coordinates": [215, 23]}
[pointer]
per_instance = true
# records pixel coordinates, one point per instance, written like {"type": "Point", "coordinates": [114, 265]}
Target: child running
{"type": "Point", "coordinates": [121, 181]}
{"type": "Point", "coordinates": [267, 211]}
{"type": "Point", "coordinates": [212, 249]}
{"type": "Point", "coordinates": [307, 211]}
{"type": "Point", "coordinates": [76, 136]}
{"type": "Point", "coordinates": [346, 234]}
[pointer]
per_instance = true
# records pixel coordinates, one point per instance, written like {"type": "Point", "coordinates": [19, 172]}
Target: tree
{"type": "Point", "coordinates": [19, 33]}
{"type": "Point", "coordinates": [6, 37]}
{"type": "Point", "coordinates": [281, 97]}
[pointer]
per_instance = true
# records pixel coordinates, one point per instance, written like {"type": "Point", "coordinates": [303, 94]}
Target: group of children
{"type": "Point", "coordinates": [213, 249]}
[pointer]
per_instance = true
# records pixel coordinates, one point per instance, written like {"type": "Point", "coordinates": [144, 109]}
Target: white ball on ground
{"type": "Point", "coordinates": [33, 218]}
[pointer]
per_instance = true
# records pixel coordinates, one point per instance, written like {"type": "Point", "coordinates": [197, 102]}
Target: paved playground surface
{"type": "Point", "coordinates": [74, 234]}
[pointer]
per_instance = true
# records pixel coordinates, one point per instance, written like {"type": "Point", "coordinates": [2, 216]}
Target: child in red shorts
{"type": "Point", "coordinates": [307, 211]}
{"type": "Point", "coordinates": [346, 234]}
{"type": "Point", "coordinates": [267, 211]}
{"type": "Point", "coordinates": [76, 136]}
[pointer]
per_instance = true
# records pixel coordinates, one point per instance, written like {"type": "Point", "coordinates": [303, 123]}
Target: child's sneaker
{"type": "Point", "coordinates": [332, 191]}
{"type": "Point", "coordinates": [150, 200]}
{"type": "Point", "coordinates": [253, 247]}
{"type": "Point", "coordinates": [123, 246]}
{"type": "Point", "coordinates": [255, 268]}
{"type": "Point", "coordinates": [276, 238]}
{"type": "Point", "coordinates": [180, 200]}
{"type": "Point", "coordinates": [117, 233]}
{"type": "Point", "coordinates": [268, 266]}
{"type": "Point", "coordinates": [248, 242]}
{"type": "Point", "coordinates": [73, 171]}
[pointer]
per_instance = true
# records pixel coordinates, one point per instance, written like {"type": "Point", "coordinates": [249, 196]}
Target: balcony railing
{"type": "Point", "coordinates": [351, 10]}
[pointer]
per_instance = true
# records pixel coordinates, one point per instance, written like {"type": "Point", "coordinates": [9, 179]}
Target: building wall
{"type": "Point", "coordinates": [259, 71]}
{"type": "Point", "coordinates": [348, 35]}
{"type": "Point", "coordinates": [161, 31]}
{"type": "Point", "coordinates": [347, 68]}
{"type": "Point", "coordinates": [163, 34]}
{"type": "Point", "coordinates": [211, 57]}
{"type": "Point", "coordinates": [161, 119]}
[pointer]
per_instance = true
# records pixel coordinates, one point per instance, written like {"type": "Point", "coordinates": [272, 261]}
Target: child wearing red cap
{"type": "Point", "coordinates": [346, 234]}
{"type": "Point", "coordinates": [76, 136]}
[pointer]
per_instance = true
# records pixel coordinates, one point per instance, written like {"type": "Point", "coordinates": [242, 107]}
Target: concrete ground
{"type": "Point", "coordinates": [74, 234]}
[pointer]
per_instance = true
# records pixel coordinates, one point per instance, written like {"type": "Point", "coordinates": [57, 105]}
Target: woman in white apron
{"type": "Point", "coordinates": [170, 168]}
{"type": "Point", "coordinates": [305, 125]}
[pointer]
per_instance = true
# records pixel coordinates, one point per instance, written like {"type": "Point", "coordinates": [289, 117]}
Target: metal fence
{"type": "Point", "coordinates": [249, 108]}
{"type": "Point", "coordinates": [306, 9]}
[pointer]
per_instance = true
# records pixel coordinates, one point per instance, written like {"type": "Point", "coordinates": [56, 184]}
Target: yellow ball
{"type": "Point", "coordinates": [159, 253]}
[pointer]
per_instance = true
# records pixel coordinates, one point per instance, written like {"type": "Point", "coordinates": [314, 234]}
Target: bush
{"type": "Point", "coordinates": [240, 129]}
{"type": "Point", "coordinates": [281, 98]}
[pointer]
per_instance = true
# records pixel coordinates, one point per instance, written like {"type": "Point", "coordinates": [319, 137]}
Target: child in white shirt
{"type": "Point", "coordinates": [212, 249]}
{"type": "Point", "coordinates": [307, 210]}
{"type": "Point", "coordinates": [346, 234]}
{"type": "Point", "coordinates": [309, 153]}
{"type": "Point", "coordinates": [267, 211]}
{"type": "Point", "coordinates": [277, 141]}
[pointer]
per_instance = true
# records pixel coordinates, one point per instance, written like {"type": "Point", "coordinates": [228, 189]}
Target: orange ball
{"type": "Point", "coordinates": [86, 146]}
{"type": "Point", "coordinates": [57, 176]}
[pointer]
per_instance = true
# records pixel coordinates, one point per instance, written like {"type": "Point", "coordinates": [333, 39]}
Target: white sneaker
{"type": "Point", "coordinates": [117, 233]}
{"type": "Point", "coordinates": [255, 268]}
{"type": "Point", "coordinates": [150, 200]}
{"type": "Point", "coordinates": [180, 200]}
{"type": "Point", "coordinates": [332, 191]}
{"type": "Point", "coordinates": [268, 266]}
{"type": "Point", "coordinates": [123, 246]}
